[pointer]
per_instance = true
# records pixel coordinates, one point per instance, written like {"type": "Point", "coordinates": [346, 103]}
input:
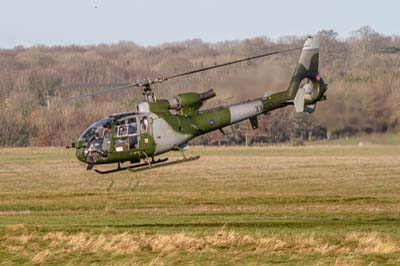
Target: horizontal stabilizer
{"type": "Point", "coordinates": [299, 101]}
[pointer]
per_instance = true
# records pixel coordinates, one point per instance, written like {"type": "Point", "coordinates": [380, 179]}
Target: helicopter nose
{"type": "Point", "coordinates": [79, 155]}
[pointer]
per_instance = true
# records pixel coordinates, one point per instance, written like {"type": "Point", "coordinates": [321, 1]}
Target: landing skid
{"type": "Point", "coordinates": [147, 166]}
{"type": "Point", "coordinates": [152, 166]}
{"type": "Point", "coordinates": [119, 168]}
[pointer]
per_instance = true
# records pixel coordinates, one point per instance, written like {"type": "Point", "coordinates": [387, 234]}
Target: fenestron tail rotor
{"type": "Point", "coordinates": [147, 82]}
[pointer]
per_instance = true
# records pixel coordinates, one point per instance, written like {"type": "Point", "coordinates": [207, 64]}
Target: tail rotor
{"type": "Point", "coordinates": [307, 87]}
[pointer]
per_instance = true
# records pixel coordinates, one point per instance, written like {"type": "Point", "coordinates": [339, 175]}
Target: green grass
{"type": "Point", "coordinates": [308, 205]}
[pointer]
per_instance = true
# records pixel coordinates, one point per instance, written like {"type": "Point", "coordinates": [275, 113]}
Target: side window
{"type": "Point", "coordinates": [132, 129]}
{"type": "Point", "coordinates": [126, 135]}
{"type": "Point", "coordinates": [144, 124]}
{"type": "Point", "coordinates": [122, 131]}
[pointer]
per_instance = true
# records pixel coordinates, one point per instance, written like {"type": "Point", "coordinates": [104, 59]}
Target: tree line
{"type": "Point", "coordinates": [363, 73]}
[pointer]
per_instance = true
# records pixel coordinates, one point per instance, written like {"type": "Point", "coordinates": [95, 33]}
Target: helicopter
{"type": "Point", "coordinates": [157, 126]}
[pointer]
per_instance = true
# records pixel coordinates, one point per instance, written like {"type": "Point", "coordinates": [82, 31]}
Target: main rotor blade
{"type": "Point", "coordinates": [104, 91]}
{"type": "Point", "coordinates": [92, 85]}
{"type": "Point", "coordinates": [147, 82]}
{"type": "Point", "coordinates": [230, 63]}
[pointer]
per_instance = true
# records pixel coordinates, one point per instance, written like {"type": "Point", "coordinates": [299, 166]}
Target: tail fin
{"type": "Point", "coordinates": [306, 86]}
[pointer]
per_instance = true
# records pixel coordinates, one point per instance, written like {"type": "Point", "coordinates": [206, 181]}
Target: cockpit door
{"type": "Point", "coordinates": [146, 142]}
{"type": "Point", "coordinates": [126, 134]}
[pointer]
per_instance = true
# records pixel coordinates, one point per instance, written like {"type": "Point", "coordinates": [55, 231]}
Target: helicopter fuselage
{"type": "Point", "coordinates": [136, 135]}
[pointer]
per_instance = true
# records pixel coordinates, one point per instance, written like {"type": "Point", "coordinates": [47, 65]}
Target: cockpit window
{"type": "Point", "coordinates": [95, 130]}
{"type": "Point", "coordinates": [127, 130]}
{"type": "Point", "coordinates": [98, 139]}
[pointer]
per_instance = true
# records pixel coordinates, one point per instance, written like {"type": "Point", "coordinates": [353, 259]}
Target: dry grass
{"type": "Point", "coordinates": [55, 244]}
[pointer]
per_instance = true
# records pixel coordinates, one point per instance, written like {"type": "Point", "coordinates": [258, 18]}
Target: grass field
{"type": "Point", "coordinates": [309, 205]}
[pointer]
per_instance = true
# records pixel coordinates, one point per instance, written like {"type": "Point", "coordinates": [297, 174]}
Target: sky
{"type": "Point", "coordinates": [152, 22]}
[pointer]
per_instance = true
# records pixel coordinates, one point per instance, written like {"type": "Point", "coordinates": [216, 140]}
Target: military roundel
{"type": "Point", "coordinates": [211, 122]}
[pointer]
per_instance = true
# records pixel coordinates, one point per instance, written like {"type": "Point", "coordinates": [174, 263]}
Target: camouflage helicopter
{"type": "Point", "coordinates": [157, 126]}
